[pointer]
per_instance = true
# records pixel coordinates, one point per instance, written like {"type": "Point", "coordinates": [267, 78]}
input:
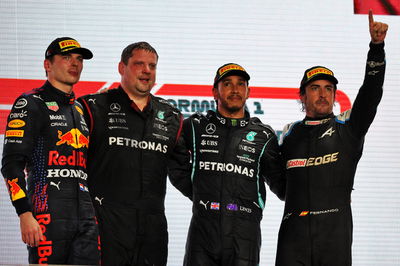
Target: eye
{"type": "Point", "coordinates": [153, 66]}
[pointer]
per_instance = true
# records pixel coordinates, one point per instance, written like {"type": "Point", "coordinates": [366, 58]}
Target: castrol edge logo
{"type": "Point", "coordinates": [313, 161]}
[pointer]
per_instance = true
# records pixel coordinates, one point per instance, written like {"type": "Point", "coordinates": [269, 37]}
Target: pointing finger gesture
{"type": "Point", "coordinates": [376, 29]}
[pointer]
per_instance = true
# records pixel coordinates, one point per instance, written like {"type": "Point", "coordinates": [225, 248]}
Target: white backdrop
{"type": "Point", "coordinates": [274, 40]}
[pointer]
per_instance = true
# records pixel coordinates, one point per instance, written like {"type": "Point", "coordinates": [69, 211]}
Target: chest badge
{"type": "Point", "coordinates": [329, 133]}
{"type": "Point", "coordinates": [115, 107]}
{"type": "Point", "coordinates": [250, 136]}
{"type": "Point", "coordinates": [52, 106]}
{"type": "Point", "coordinates": [211, 128]}
{"type": "Point", "coordinates": [160, 114]}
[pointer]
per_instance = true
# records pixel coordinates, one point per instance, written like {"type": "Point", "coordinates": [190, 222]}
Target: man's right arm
{"type": "Point", "coordinates": [21, 130]}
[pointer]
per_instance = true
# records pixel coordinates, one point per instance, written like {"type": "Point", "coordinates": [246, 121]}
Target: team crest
{"type": "Point", "coordinates": [52, 106]}
{"type": "Point", "coordinates": [160, 114]}
{"type": "Point", "coordinates": [250, 136]}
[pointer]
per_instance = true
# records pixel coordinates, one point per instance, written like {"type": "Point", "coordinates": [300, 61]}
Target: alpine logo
{"type": "Point", "coordinates": [329, 133]}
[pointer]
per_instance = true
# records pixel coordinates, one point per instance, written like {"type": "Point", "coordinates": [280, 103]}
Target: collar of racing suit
{"type": "Point", "coordinates": [146, 110]}
{"type": "Point", "coordinates": [60, 96]}
{"type": "Point", "coordinates": [230, 122]}
{"type": "Point", "coordinates": [321, 120]}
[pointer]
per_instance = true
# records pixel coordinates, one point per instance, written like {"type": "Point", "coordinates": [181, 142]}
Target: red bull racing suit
{"type": "Point", "coordinates": [129, 156]}
{"type": "Point", "coordinates": [231, 160]}
{"type": "Point", "coordinates": [47, 137]}
{"type": "Point", "coordinates": [321, 158]}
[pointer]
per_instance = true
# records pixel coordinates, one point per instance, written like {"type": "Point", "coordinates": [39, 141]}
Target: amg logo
{"type": "Point", "coordinates": [313, 161]}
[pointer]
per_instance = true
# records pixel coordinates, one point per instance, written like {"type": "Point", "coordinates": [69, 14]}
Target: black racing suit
{"type": "Point", "coordinates": [321, 157]}
{"type": "Point", "coordinates": [128, 158]}
{"type": "Point", "coordinates": [47, 136]}
{"type": "Point", "coordinates": [231, 160]}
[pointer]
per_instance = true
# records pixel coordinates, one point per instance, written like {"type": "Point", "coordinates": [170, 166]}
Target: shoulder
{"type": "Point", "coordinates": [164, 104]}
{"type": "Point", "coordinates": [288, 128]}
{"type": "Point", "coordinates": [343, 117]}
{"type": "Point", "coordinates": [257, 122]}
{"type": "Point", "coordinates": [29, 100]}
{"type": "Point", "coordinates": [97, 95]}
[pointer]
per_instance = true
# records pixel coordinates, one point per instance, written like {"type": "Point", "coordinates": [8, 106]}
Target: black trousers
{"type": "Point", "coordinates": [131, 236]}
{"type": "Point", "coordinates": [235, 241]}
{"type": "Point", "coordinates": [72, 241]}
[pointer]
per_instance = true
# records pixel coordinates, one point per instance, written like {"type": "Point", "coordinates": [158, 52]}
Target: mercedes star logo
{"type": "Point", "coordinates": [115, 107]}
{"type": "Point", "coordinates": [210, 128]}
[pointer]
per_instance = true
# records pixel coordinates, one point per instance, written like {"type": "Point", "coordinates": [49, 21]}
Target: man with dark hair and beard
{"type": "Point", "coordinates": [321, 153]}
{"type": "Point", "coordinates": [233, 155]}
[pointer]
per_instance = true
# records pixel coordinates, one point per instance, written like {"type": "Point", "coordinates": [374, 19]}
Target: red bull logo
{"type": "Point", "coordinates": [45, 248]}
{"type": "Point", "coordinates": [75, 159]}
{"type": "Point", "coordinates": [74, 138]}
{"type": "Point", "coordinates": [15, 190]}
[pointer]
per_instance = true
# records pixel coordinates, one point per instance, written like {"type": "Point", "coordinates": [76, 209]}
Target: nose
{"type": "Point", "coordinates": [74, 61]}
{"type": "Point", "coordinates": [235, 87]}
{"type": "Point", "coordinates": [146, 68]}
{"type": "Point", "coordinates": [322, 93]}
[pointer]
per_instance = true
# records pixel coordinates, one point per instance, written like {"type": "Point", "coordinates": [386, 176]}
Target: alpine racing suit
{"type": "Point", "coordinates": [128, 162]}
{"type": "Point", "coordinates": [231, 160]}
{"type": "Point", "coordinates": [321, 157]}
{"type": "Point", "coordinates": [47, 136]}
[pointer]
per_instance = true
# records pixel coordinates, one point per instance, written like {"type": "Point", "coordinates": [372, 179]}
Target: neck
{"type": "Point", "coordinates": [236, 115]}
{"type": "Point", "coordinates": [67, 88]}
{"type": "Point", "coordinates": [139, 99]}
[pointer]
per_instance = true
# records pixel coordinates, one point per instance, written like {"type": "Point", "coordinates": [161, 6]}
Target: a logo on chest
{"type": "Point", "coordinates": [327, 133]}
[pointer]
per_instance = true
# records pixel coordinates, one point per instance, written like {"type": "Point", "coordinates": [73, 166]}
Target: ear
{"type": "Point", "coordinates": [303, 98]}
{"type": "Point", "coordinates": [215, 93]}
{"type": "Point", "coordinates": [46, 65]}
{"type": "Point", "coordinates": [121, 68]}
{"type": "Point", "coordinates": [248, 93]}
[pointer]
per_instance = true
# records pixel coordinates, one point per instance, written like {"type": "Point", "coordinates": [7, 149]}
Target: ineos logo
{"type": "Point", "coordinates": [115, 107]}
{"type": "Point", "coordinates": [210, 128]}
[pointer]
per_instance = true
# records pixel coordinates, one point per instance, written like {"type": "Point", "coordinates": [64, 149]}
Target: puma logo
{"type": "Point", "coordinates": [56, 185]}
{"type": "Point", "coordinates": [99, 200]}
{"type": "Point", "coordinates": [204, 204]}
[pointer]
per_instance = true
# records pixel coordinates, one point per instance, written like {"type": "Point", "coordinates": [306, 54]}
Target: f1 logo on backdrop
{"type": "Point", "coordinates": [178, 94]}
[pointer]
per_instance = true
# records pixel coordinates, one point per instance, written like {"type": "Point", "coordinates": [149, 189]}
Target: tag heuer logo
{"type": "Point", "coordinates": [52, 106]}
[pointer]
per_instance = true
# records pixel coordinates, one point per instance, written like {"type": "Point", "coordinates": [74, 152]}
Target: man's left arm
{"type": "Point", "coordinates": [272, 168]}
{"type": "Point", "coordinates": [370, 94]}
{"type": "Point", "coordinates": [179, 165]}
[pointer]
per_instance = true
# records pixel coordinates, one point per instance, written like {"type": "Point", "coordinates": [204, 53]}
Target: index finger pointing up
{"type": "Point", "coordinates": [370, 17]}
